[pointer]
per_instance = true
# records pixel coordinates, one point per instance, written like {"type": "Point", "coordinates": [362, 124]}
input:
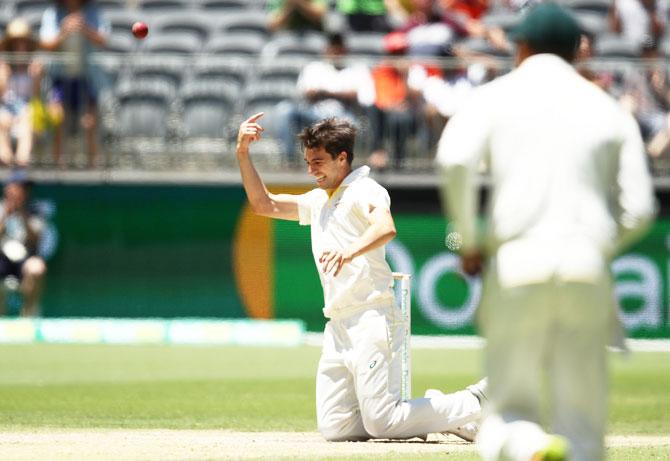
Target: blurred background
{"type": "Point", "coordinates": [121, 152]}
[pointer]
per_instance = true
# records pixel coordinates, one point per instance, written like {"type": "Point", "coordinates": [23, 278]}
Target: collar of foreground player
{"type": "Point", "coordinates": [360, 172]}
{"type": "Point", "coordinates": [542, 60]}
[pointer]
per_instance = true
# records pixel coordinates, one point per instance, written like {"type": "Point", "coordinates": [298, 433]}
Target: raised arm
{"type": "Point", "coordinates": [281, 206]}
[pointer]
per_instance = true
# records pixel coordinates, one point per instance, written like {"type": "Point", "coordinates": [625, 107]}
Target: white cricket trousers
{"type": "Point", "coordinates": [358, 384]}
{"type": "Point", "coordinates": [545, 340]}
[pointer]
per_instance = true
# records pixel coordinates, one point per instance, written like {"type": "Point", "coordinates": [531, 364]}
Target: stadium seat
{"type": "Point", "coordinates": [121, 21]}
{"type": "Point", "coordinates": [111, 5]}
{"type": "Point", "coordinates": [595, 6]}
{"type": "Point", "coordinates": [365, 44]}
{"type": "Point", "coordinates": [251, 21]}
{"type": "Point", "coordinates": [206, 109]}
{"type": "Point", "coordinates": [220, 69]}
{"type": "Point", "coordinates": [264, 97]}
{"type": "Point", "coordinates": [223, 5]}
{"type": "Point", "coordinates": [111, 64]}
{"type": "Point", "coordinates": [479, 45]}
{"type": "Point", "coordinates": [235, 45]}
{"type": "Point", "coordinates": [595, 24]}
{"type": "Point", "coordinates": [164, 6]}
{"type": "Point", "coordinates": [194, 24]}
{"type": "Point", "coordinates": [174, 43]}
{"type": "Point", "coordinates": [27, 7]}
{"type": "Point", "coordinates": [308, 45]}
{"type": "Point", "coordinates": [151, 84]}
{"type": "Point", "coordinates": [169, 71]}
{"type": "Point", "coordinates": [142, 124]}
{"type": "Point", "coordinates": [506, 20]}
{"type": "Point", "coordinates": [615, 46]}
{"type": "Point", "coordinates": [281, 73]}
{"type": "Point", "coordinates": [121, 43]}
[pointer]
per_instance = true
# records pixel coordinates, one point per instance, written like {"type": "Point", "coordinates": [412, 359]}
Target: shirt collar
{"type": "Point", "coordinates": [542, 60]}
{"type": "Point", "coordinates": [361, 172]}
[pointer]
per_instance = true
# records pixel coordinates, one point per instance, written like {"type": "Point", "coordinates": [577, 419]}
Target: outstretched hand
{"type": "Point", "coordinates": [250, 131]}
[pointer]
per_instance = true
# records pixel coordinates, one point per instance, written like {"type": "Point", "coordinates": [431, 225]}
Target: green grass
{"type": "Point", "coordinates": [256, 389]}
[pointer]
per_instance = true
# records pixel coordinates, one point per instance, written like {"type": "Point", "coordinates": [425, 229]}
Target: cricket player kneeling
{"type": "Point", "coordinates": [358, 388]}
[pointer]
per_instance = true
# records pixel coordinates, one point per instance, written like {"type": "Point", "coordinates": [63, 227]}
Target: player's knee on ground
{"type": "Point", "coordinates": [342, 430]}
{"type": "Point", "coordinates": [34, 267]}
{"type": "Point", "coordinates": [378, 421]}
{"type": "Point", "coordinates": [335, 436]}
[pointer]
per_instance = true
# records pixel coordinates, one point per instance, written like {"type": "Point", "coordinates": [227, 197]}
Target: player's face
{"type": "Point", "coordinates": [329, 172]}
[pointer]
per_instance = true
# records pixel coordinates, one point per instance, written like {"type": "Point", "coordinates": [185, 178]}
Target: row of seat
{"type": "Point", "coordinates": [247, 44]}
{"type": "Point", "coordinates": [20, 7]}
{"type": "Point", "coordinates": [237, 32]}
{"type": "Point", "coordinates": [160, 107]}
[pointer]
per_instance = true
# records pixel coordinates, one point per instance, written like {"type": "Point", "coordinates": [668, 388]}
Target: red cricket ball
{"type": "Point", "coordinates": [140, 29]}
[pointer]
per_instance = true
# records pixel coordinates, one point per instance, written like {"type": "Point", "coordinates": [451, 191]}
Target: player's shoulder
{"type": "Point", "coordinates": [597, 99]}
{"type": "Point", "coordinates": [366, 190]}
{"type": "Point", "coordinates": [315, 195]}
{"type": "Point", "coordinates": [367, 183]}
{"type": "Point", "coordinates": [484, 97]}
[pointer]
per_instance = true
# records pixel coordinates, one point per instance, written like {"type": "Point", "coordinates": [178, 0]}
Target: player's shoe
{"type": "Point", "coordinates": [556, 450]}
{"type": "Point", "coordinates": [467, 432]}
{"type": "Point", "coordinates": [479, 390]}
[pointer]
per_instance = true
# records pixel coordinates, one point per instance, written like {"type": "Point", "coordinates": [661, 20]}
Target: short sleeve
{"type": "Point", "coordinates": [49, 25]}
{"type": "Point", "coordinates": [305, 203]}
{"type": "Point", "coordinates": [372, 194]}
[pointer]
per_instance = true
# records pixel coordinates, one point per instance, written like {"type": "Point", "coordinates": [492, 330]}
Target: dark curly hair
{"type": "Point", "coordinates": [335, 135]}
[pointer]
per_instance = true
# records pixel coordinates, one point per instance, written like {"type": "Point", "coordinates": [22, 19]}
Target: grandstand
{"type": "Point", "coordinates": [172, 102]}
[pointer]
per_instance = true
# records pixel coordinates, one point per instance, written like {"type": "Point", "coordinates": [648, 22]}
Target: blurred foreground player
{"type": "Point", "coordinates": [570, 188]}
{"type": "Point", "coordinates": [358, 379]}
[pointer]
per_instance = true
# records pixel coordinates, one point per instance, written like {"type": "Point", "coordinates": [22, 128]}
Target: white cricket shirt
{"type": "Point", "coordinates": [338, 221]}
{"type": "Point", "coordinates": [570, 183]}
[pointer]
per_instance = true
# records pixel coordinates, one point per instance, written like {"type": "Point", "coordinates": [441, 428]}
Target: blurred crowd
{"type": "Point", "coordinates": [425, 58]}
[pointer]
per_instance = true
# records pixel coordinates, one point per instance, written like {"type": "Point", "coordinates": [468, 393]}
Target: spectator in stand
{"type": "Point", "coordinates": [585, 53]}
{"type": "Point", "coordinates": [296, 15]}
{"type": "Point", "coordinates": [395, 113]}
{"type": "Point", "coordinates": [432, 30]}
{"type": "Point", "coordinates": [364, 15]}
{"type": "Point", "coordinates": [20, 83]}
{"type": "Point", "coordinates": [76, 27]}
{"type": "Point", "coordinates": [328, 88]}
{"type": "Point", "coordinates": [659, 87]}
{"type": "Point", "coordinates": [21, 228]}
{"type": "Point", "coordinates": [641, 21]}
{"type": "Point", "coordinates": [473, 9]}
{"type": "Point", "coordinates": [646, 95]}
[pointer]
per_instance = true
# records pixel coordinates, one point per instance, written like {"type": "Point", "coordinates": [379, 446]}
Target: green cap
{"type": "Point", "coordinates": [548, 27]}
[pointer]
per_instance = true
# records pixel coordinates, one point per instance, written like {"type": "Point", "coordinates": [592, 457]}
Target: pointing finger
{"type": "Point", "coordinates": [254, 117]}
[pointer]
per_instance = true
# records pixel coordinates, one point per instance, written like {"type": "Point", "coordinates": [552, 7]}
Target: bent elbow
{"type": "Point", "coordinates": [391, 233]}
{"type": "Point", "coordinates": [260, 209]}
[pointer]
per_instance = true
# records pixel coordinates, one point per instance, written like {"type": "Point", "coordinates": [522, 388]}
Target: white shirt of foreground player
{"type": "Point", "coordinates": [570, 181]}
{"type": "Point", "coordinates": [336, 222]}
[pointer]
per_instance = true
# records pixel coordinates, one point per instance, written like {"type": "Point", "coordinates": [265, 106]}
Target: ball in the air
{"type": "Point", "coordinates": [140, 30]}
{"type": "Point", "coordinates": [453, 241]}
